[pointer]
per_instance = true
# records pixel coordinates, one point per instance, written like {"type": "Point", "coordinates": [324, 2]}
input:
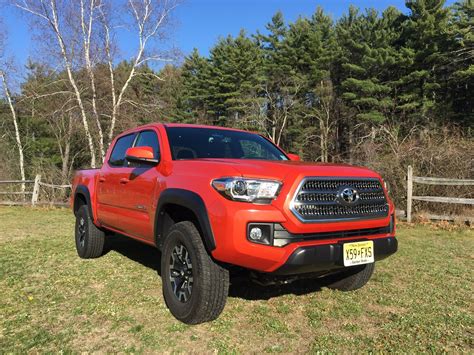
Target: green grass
{"type": "Point", "coordinates": [420, 299]}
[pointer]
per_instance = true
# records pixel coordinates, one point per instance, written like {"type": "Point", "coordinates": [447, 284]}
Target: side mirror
{"type": "Point", "coordinates": [294, 157]}
{"type": "Point", "coordinates": [142, 155]}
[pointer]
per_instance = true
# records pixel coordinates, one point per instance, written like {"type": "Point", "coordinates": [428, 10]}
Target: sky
{"type": "Point", "coordinates": [199, 23]}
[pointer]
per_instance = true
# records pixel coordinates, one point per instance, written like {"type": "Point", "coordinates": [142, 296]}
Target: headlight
{"type": "Point", "coordinates": [247, 190]}
{"type": "Point", "coordinates": [386, 185]}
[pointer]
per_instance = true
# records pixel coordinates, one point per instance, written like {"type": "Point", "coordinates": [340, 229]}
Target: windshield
{"type": "Point", "coordinates": [195, 143]}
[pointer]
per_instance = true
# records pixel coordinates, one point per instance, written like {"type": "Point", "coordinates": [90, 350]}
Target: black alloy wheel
{"type": "Point", "coordinates": [181, 273]}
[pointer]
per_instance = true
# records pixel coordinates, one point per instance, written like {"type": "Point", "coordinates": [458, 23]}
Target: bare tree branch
{"type": "Point", "coordinates": [149, 16]}
{"type": "Point", "coordinates": [49, 13]}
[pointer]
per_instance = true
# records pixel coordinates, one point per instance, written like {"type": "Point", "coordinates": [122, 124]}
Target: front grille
{"type": "Point", "coordinates": [321, 199]}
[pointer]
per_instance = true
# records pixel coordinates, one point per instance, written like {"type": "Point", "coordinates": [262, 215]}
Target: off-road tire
{"type": "Point", "coordinates": [349, 280]}
{"type": "Point", "coordinates": [210, 281]}
{"type": "Point", "coordinates": [89, 238]}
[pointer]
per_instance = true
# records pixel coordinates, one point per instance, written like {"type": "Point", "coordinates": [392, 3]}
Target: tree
{"type": "Point", "coordinates": [50, 109]}
{"type": "Point", "coordinates": [150, 20]}
{"type": "Point", "coordinates": [170, 93]}
{"type": "Point", "coordinates": [5, 66]}
{"type": "Point", "coordinates": [310, 46]}
{"type": "Point", "coordinates": [425, 34]}
{"type": "Point", "coordinates": [50, 14]}
{"type": "Point", "coordinates": [94, 26]}
{"type": "Point", "coordinates": [196, 70]}
{"type": "Point", "coordinates": [8, 96]}
{"type": "Point", "coordinates": [283, 84]}
{"type": "Point", "coordinates": [459, 63]}
{"type": "Point", "coordinates": [235, 75]}
{"type": "Point", "coordinates": [368, 68]}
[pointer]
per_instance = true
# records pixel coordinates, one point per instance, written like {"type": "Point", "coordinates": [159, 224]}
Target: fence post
{"type": "Point", "coordinates": [36, 187]}
{"type": "Point", "coordinates": [409, 192]}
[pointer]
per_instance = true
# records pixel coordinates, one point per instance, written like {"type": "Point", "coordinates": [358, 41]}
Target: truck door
{"type": "Point", "coordinates": [143, 180]}
{"type": "Point", "coordinates": [111, 196]}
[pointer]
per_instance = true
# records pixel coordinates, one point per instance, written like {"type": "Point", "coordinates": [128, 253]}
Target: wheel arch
{"type": "Point", "coordinates": [82, 197]}
{"type": "Point", "coordinates": [176, 205]}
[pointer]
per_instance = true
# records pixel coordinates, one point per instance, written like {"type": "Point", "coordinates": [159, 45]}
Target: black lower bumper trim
{"type": "Point", "coordinates": [329, 257]}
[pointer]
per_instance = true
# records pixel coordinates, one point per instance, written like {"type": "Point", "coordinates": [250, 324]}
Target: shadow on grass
{"type": "Point", "coordinates": [134, 250]}
{"type": "Point", "coordinates": [241, 286]}
{"type": "Point", "coordinates": [246, 289]}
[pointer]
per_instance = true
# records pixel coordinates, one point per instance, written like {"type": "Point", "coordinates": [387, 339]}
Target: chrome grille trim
{"type": "Point", "coordinates": [316, 200]}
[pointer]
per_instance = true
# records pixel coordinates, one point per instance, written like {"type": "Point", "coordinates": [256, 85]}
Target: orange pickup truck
{"type": "Point", "coordinates": [214, 200]}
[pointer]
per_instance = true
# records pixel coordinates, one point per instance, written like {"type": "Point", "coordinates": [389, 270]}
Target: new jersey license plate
{"type": "Point", "coordinates": [358, 253]}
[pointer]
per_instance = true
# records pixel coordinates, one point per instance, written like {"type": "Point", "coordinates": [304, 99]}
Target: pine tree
{"type": "Point", "coordinates": [235, 74]}
{"type": "Point", "coordinates": [425, 36]}
{"type": "Point", "coordinates": [195, 73]}
{"type": "Point", "coordinates": [368, 65]}
{"type": "Point", "coordinates": [170, 95]}
{"type": "Point", "coordinates": [309, 45]}
{"type": "Point", "coordinates": [283, 83]}
{"type": "Point", "coordinates": [459, 61]}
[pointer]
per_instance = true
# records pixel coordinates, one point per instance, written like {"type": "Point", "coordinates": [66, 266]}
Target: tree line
{"type": "Point", "coordinates": [383, 89]}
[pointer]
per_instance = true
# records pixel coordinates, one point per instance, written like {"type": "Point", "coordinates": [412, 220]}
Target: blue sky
{"type": "Point", "coordinates": [201, 22]}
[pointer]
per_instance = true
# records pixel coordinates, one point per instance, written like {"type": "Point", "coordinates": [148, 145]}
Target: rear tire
{"type": "Point", "coordinates": [89, 238]}
{"type": "Point", "coordinates": [195, 288]}
{"type": "Point", "coordinates": [350, 280]}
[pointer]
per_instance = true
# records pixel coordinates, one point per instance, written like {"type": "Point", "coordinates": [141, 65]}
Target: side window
{"type": "Point", "coordinates": [117, 158]}
{"type": "Point", "coordinates": [149, 139]}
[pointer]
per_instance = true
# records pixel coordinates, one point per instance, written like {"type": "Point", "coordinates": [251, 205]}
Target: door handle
{"type": "Point", "coordinates": [124, 180]}
{"type": "Point", "coordinates": [101, 179]}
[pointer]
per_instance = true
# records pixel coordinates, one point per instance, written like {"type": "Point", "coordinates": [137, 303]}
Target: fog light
{"type": "Point", "coordinates": [260, 233]}
{"type": "Point", "coordinates": [256, 233]}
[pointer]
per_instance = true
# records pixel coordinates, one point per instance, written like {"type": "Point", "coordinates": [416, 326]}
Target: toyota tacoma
{"type": "Point", "coordinates": [215, 199]}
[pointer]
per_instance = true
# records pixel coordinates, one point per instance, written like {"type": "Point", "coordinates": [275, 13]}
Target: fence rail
{"type": "Point", "coordinates": [35, 192]}
{"type": "Point", "coordinates": [441, 181]}
{"type": "Point", "coordinates": [17, 181]}
{"type": "Point", "coordinates": [441, 199]}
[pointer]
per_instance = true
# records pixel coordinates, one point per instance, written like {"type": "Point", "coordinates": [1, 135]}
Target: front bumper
{"type": "Point", "coordinates": [230, 224]}
{"type": "Point", "coordinates": [326, 257]}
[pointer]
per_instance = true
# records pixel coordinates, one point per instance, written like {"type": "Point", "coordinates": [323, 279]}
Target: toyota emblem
{"type": "Point", "coordinates": [348, 196]}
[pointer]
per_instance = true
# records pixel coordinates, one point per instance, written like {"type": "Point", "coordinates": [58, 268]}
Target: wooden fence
{"type": "Point", "coordinates": [441, 199]}
{"type": "Point", "coordinates": [37, 183]}
{"type": "Point", "coordinates": [34, 192]}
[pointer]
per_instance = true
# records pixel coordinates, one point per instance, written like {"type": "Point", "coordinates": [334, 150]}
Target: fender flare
{"type": "Point", "coordinates": [84, 192]}
{"type": "Point", "coordinates": [193, 202]}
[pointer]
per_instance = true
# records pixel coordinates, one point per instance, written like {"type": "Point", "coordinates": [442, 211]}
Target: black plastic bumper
{"type": "Point", "coordinates": [329, 257]}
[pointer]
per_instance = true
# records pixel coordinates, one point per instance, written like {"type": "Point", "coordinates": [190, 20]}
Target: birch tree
{"type": "Point", "coordinates": [48, 14]}
{"type": "Point", "coordinates": [90, 21]}
{"type": "Point", "coordinates": [6, 90]}
{"type": "Point", "coordinates": [19, 144]}
{"type": "Point", "coordinates": [89, 13]}
{"type": "Point", "coordinates": [150, 18]}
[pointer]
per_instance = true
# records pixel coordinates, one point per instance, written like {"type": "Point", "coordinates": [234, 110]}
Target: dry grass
{"type": "Point", "coordinates": [419, 300]}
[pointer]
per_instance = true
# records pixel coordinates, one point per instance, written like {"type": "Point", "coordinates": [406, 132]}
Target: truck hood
{"type": "Point", "coordinates": [280, 169]}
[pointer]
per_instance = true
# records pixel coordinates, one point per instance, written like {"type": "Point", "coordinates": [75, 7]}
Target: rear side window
{"type": "Point", "coordinates": [117, 158]}
{"type": "Point", "coordinates": [149, 139]}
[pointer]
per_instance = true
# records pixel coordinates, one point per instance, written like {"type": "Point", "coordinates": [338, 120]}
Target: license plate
{"type": "Point", "coordinates": [358, 253]}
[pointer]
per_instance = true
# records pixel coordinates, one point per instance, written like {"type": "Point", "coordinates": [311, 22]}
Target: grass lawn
{"type": "Point", "coordinates": [420, 299]}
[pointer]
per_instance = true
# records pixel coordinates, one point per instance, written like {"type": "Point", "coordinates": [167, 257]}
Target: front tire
{"type": "Point", "coordinates": [89, 238]}
{"type": "Point", "coordinates": [195, 288]}
{"type": "Point", "coordinates": [350, 280]}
